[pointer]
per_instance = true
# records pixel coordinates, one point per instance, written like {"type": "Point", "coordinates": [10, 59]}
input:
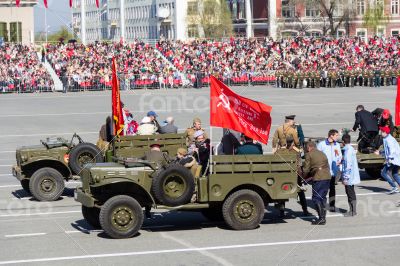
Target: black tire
{"type": "Point", "coordinates": [82, 154]}
{"type": "Point", "coordinates": [25, 185]}
{"type": "Point", "coordinates": [92, 216]}
{"type": "Point", "coordinates": [46, 184]}
{"type": "Point", "coordinates": [173, 186]}
{"type": "Point", "coordinates": [121, 217]}
{"type": "Point", "coordinates": [374, 172]}
{"type": "Point", "coordinates": [243, 210]}
{"type": "Point", "coordinates": [214, 214]}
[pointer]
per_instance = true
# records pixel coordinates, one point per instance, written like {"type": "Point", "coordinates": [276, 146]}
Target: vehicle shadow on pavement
{"type": "Point", "coordinates": [22, 194]}
{"type": "Point", "coordinates": [370, 188]}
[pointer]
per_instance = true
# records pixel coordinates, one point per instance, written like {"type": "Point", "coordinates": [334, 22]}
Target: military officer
{"type": "Point", "coordinates": [291, 149]}
{"type": "Point", "coordinates": [155, 154]}
{"type": "Point", "coordinates": [283, 132]}
{"type": "Point", "coordinates": [191, 130]}
{"type": "Point", "coordinates": [316, 167]}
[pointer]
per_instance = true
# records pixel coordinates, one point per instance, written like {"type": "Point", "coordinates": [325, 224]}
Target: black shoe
{"type": "Point", "coordinates": [332, 209]}
{"type": "Point", "coordinates": [306, 213]}
{"type": "Point", "coordinates": [348, 214]}
{"type": "Point", "coordinates": [320, 221]}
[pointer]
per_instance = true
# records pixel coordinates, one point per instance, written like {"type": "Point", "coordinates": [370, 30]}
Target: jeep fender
{"type": "Point", "coordinates": [30, 167]}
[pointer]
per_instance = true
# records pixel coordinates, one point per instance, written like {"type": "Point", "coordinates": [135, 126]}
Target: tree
{"type": "Point", "coordinates": [332, 13]}
{"type": "Point", "coordinates": [61, 35]}
{"type": "Point", "coordinates": [375, 16]}
{"type": "Point", "coordinates": [209, 19]}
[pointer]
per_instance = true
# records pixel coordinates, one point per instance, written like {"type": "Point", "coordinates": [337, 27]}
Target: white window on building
{"type": "Point", "coordinates": [312, 10]}
{"type": "Point", "coordinates": [360, 7]}
{"type": "Point", "coordinates": [341, 33]}
{"type": "Point", "coordinates": [380, 31]}
{"type": "Point", "coordinates": [339, 10]}
{"type": "Point", "coordinates": [362, 33]}
{"type": "Point", "coordinates": [192, 8]}
{"type": "Point", "coordinates": [193, 31]}
{"type": "Point", "coordinates": [395, 7]}
{"type": "Point", "coordinates": [288, 9]}
{"type": "Point", "coordinates": [395, 32]}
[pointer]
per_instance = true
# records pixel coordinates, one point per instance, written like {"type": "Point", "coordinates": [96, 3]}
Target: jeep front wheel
{"type": "Point", "coordinates": [91, 216]}
{"type": "Point", "coordinates": [121, 217]}
{"type": "Point", "coordinates": [46, 184]}
{"type": "Point", "coordinates": [243, 210]}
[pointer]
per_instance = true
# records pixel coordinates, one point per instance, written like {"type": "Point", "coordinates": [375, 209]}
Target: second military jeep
{"type": "Point", "coordinates": [42, 169]}
{"type": "Point", "coordinates": [237, 189]}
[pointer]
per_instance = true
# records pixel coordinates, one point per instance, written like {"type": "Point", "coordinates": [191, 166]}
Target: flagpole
{"type": "Point", "coordinates": [211, 146]}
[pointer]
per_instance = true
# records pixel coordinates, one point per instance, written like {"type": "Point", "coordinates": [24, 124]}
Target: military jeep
{"type": "Point", "coordinates": [42, 169]}
{"type": "Point", "coordinates": [237, 189]}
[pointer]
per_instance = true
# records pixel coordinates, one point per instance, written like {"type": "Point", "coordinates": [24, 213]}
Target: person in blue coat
{"type": "Point", "coordinates": [350, 175]}
{"type": "Point", "coordinates": [333, 152]}
{"type": "Point", "coordinates": [392, 159]}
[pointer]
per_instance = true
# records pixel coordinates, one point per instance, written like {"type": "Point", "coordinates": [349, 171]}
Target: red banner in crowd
{"type": "Point", "coordinates": [70, 3]}
{"type": "Point", "coordinates": [97, 3]}
{"type": "Point", "coordinates": [116, 103]}
{"type": "Point", "coordinates": [17, 2]}
{"type": "Point", "coordinates": [230, 110]}
{"type": "Point", "coordinates": [397, 110]}
{"type": "Point", "coordinates": [45, 3]}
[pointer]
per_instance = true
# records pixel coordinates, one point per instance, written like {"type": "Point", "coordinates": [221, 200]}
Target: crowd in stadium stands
{"type": "Point", "coordinates": [89, 67]}
{"type": "Point", "coordinates": [293, 63]}
{"type": "Point", "coordinates": [22, 71]}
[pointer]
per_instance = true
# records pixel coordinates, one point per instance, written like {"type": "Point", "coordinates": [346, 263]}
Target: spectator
{"type": "Point", "coordinates": [153, 117]}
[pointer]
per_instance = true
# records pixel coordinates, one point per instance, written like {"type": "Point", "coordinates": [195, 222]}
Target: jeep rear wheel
{"type": "Point", "coordinates": [82, 154]}
{"type": "Point", "coordinates": [121, 217]}
{"type": "Point", "coordinates": [25, 185]}
{"type": "Point", "coordinates": [46, 184]}
{"type": "Point", "coordinates": [243, 210]}
{"type": "Point", "coordinates": [91, 215]}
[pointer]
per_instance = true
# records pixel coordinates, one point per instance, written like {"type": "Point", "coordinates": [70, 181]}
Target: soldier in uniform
{"type": "Point", "coordinates": [371, 77]}
{"type": "Point", "coordinates": [387, 77]}
{"type": "Point", "coordinates": [290, 79]}
{"type": "Point", "coordinates": [283, 132]}
{"type": "Point", "coordinates": [190, 131]}
{"type": "Point", "coordinates": [300, 79]}
{"type": "Point", "coordinates": [155, 154]}
{"type": "Point", "coordinates": [334, 78]}
{"type": "Point", "coordinates": [352, 78]}
{"type": "Point", "coordinates": [329, 79]}
{"type": "Point", "coordinates": [317, 79]}
{"type": "Point", "coordinates": [278, 79]}
{"type": "Point", "coordinates": [291, 149]}
{"type": "Point", "coordinates": [316, 166]}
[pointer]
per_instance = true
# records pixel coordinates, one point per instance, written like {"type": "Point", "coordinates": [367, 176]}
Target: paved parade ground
{"type": "Point", "coordinates": [55, 233]}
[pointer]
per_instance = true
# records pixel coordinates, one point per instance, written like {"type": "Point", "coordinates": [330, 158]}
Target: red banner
{"type": "Point", "coordinates": [97, 3]}
{"type": "Point", "coordinates": [17, 2]}
{"type": "Point", "coordinates": [397, 110]}
{"type": "Point", "coordinates": [45, 3]}
{"type": "Point", "coordinates": [70, 3]}
{"type": "Point", "coordinates": [230, 110]}
{"type": "Point", "coordinates": [116, 102]}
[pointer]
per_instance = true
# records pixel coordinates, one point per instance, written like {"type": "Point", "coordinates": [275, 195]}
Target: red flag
{"type": "Point", "coordinates": [17, 2]}
{"type": "Point", "coordinates": [45, 3]}
{"type": "Point", "coordinates": [397, 110]}
{"type": "Point", "coordinates": [97, 3]}
{"type": "Point", "coordinates": [116, 103]}
{"type": "Point", "coordinates": [230, 110]}
{"type": "Point", "coordinates": [70, 3]}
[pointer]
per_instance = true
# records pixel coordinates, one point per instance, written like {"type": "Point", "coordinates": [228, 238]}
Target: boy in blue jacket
{"type": "Point", "coordinates": [350, 175]}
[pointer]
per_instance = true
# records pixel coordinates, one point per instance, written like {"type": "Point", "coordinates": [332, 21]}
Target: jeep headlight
{"type": "Point", "coordinates": [96, 178]}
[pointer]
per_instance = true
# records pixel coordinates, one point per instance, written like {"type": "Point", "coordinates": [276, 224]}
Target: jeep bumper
{"type": "Point", "coordinates": [16, 171]}
{"type": "Point", "coordinates": [85, 198]}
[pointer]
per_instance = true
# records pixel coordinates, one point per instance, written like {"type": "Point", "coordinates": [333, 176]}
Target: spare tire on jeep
{"type": "Point", "coordinates": [82, 154]}
{"type": "Point", "coordinates": [173, 186]}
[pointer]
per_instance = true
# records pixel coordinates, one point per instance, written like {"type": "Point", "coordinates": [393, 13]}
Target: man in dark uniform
{"type": "Point", "coordinates": [291, 149]}
{"type": "Point", "coordinates": [316, 166]}
{"type": "Point", "coordinates": [155, 154]}
{"type": "Point", "coordinates": [368, 127]}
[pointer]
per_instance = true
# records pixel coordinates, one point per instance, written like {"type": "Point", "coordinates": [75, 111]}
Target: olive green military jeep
{"type": "Point", "coordinates": [237, 190]}
{"type": "Point", "coordinates": [42, 169]}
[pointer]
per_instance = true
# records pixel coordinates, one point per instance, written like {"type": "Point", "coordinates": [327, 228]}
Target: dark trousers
{"type": "Point", "coordinates": [351, 194]}
{"type": "Point", "coordinates": [302, 195]}
{"type": "Point", "coordinates": [366, 140]}
{"type": "Point", "coordinates": [320, 189]}
{"type": "Point", "coordinates": [332, 191]}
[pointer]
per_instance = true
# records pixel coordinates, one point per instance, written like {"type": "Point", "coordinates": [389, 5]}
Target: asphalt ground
{"type": "Point", "coordinates": [55, 233]}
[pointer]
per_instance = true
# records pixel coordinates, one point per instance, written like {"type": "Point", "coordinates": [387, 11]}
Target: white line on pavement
{"type": "Point", "coordinates": [7, 151]}
{"type": "Point", "coordinates": [394, 211]}
{"type": "Point", "coordinates": [6, 186]}
{"type": "Point", "coordinates": [187, 250]}
{"type": "Point", "coordinates": [323, 104]}
{"type": "Point", "coordinates": [25, 235]}
{"type": "Point", "coordinates": [35, 214]}
{"type": "Point", "coordinates": [5, 174]}
{"type": "Point", "coordinates": [6, 165]}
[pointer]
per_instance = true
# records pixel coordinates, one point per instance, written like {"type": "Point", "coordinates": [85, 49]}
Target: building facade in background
{"type": "Point", "coordinates": [17, 23]}
{"type": "Point", "coordinates": [151, 19]}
